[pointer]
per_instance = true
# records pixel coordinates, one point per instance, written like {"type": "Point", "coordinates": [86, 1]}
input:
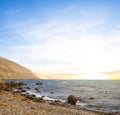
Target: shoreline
{"type": "Point", "coordinates": [15, 103]}
{"type": "Point", "coordinates": [29, 105]}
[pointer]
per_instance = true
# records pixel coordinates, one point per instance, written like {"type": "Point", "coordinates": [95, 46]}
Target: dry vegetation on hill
{"type": "Point", "coordinates": [12, 70]}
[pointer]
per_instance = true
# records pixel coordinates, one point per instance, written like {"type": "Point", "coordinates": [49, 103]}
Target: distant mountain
{"type": "Point", "coordinates": [12, 70]}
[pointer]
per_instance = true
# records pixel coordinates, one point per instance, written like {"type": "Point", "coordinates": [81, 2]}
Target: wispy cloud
{"type": "Point", "coordinates": [68, 39]}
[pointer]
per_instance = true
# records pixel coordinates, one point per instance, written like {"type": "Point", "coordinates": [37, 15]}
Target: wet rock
{"type": "Point", "coordinates": [27, 87]}
{"type": "Point", "coordinates": [39, 83]}
{"type": "Point", "coordinates": [3, 86]}
{"type": "Point", "coordinates": [23, 90]}
{"type": "Point", "coordinates": [72, 99]}
{"type": "Point", "coordinates": [42, 97]}
{"type": "Point", "coordinates": [20, 88]}
{"type": "Point", "coordinates": [37, 89]}
{"type": "Point", "coordinates": [20, 83]}
{"type": "Point", "coordinates": [7, 88]}
{"type": "Point", "coordinates": [14, 84]}
{"type": "Point", "coordinates": [52, 92]}
{"type": "Point", "coordinates": [32, 97]}
{"type": "Point", "coordinates": [39, 99]}
{"type": "Point", "coordinates": [91, 98]}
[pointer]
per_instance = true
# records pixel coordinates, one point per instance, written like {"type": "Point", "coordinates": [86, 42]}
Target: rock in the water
{"type": "Point", "coordinates": [91, 98]}
{"type": "Point", "coordinates": [72, 99]}
{"type": "Point", "coordinates": [37, 89]}
{"type": "Point", "coordinates": [39, 83]}
{"type": "Point", "coordinates": [27, 87]}
{"type": "Point", "coordinates": [52, 92]}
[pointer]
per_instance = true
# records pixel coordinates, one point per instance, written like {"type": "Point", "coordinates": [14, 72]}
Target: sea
{"type": "Point", "coordinates": [105, 94]}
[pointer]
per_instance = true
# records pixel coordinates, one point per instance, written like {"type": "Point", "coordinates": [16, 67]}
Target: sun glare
{"type": "Point", "coordinates": [94, 76]}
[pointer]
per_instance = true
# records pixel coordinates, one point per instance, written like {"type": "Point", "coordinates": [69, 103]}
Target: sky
{"type": "Point", "coordinates": [80, 38]}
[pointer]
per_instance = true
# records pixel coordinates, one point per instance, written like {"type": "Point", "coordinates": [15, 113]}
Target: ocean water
{"type": "Point", "coordinates": [106, 93]}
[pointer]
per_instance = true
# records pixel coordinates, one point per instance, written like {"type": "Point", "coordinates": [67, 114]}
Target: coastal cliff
{"type": "Point", "coordinates": [12, 70]}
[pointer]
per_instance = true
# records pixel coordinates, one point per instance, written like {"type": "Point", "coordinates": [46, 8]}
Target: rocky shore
{"type": "Point", "coordinates": [17, 103]}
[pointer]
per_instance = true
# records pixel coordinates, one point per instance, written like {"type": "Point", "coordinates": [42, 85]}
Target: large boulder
{"type": "Point", "coordinates": [72, 99]}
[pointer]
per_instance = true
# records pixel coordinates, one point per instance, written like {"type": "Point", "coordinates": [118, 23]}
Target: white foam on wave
{"type": "Point", "coordinates": [82, 104]}
{"type": "Point", "coordinates": [45, 97]}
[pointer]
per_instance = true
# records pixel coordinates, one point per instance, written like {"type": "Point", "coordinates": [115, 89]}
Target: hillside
{"type": "Point", "coordinates": [12, 70]}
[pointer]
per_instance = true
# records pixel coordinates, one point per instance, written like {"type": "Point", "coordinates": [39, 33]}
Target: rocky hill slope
{"type": "Point", "coordinates": [12, 70]}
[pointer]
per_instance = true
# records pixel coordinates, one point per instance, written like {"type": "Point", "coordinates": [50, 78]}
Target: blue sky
{"type": "Point", "coordinates": [61, 35]}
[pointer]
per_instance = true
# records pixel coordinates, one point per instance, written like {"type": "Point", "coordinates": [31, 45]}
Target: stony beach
{"type": "Point", "coordinates": [15, 103]}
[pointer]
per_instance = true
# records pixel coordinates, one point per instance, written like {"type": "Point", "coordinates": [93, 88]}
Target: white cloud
{"type": "Point", "coordinates": [68, 43]}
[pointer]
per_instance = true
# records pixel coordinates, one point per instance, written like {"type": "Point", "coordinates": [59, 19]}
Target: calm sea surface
{"type": "Point", "coordinates": [105, 92]}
